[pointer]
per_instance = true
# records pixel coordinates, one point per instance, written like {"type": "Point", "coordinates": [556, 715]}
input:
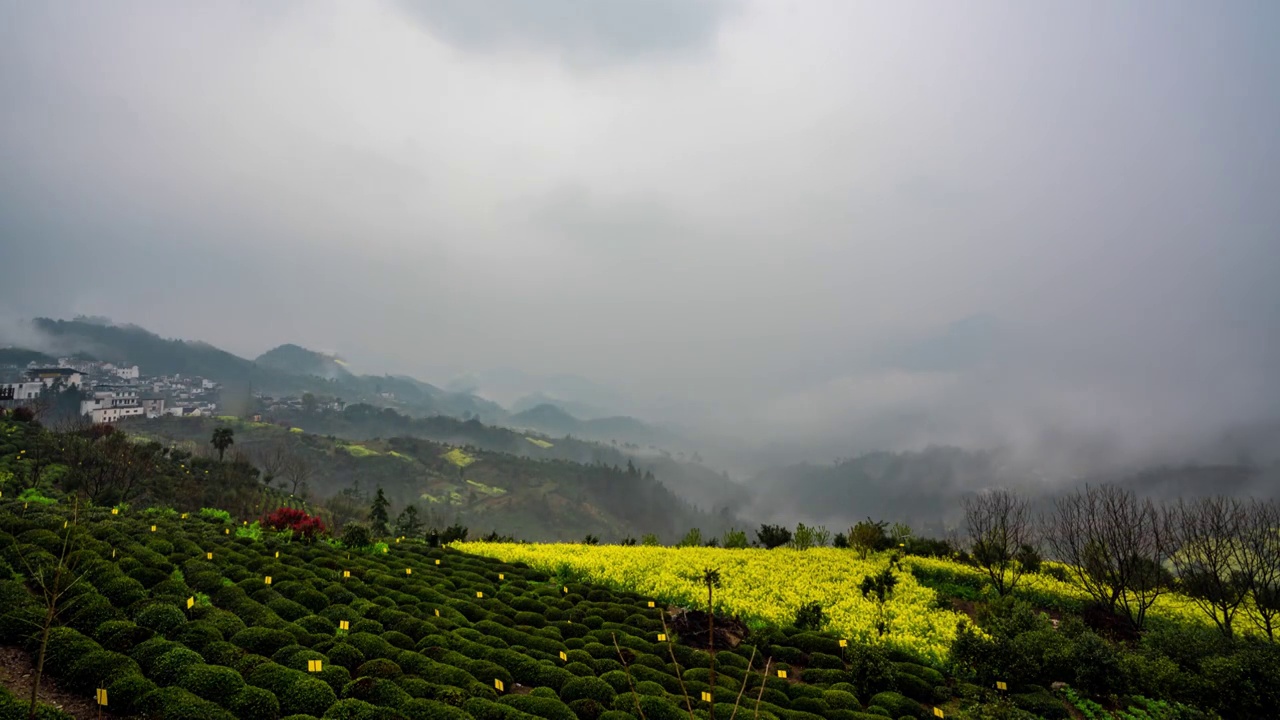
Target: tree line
{"type": "Point", "coordinates": [1125, 552]}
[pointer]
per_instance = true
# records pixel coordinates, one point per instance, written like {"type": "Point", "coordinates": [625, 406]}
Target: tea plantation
{"type": "Point", "coordinates": [181, 618]}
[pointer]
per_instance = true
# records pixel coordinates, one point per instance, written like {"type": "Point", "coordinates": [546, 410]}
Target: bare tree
{"type": "Point", "coordinates": [1116, 547]}
{"type": "Point", "coordinates": [1207, 549]}
{"type": "Point", "coordinates": [297, 471]}
{"type": "Point", "coordinates": [1002, 536]}
{"type": "Point", "coordinates": [273, 457]}
{"type": "Point", "coordinates": [1261, 559]}
{"type": "Point", "coordinates": [55, 584]}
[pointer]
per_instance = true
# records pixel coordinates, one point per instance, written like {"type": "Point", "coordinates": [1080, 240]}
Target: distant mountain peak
{"type": "Point", "coordinates": [302, 361]}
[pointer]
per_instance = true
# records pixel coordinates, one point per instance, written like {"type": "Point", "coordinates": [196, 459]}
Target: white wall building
{"type": "Point", "coordinates": [127, 373]}
{"type": "Point", "coordinates": [21, 391]}
{"type": "Point", "coordinates": [113, 414]}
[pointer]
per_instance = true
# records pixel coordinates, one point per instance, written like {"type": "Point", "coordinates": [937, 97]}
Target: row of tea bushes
{"type": "Point", "coordinates": [178, 618]}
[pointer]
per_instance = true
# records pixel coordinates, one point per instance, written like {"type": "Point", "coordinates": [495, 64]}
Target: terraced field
{"type": "Point", "coordinates": [180, 618]}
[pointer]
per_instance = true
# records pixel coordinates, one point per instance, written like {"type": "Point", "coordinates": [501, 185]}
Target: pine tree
{"type": "Point", "coordinates": [408, 524]}
{"type": "Point", "coordinates": [378, 515]}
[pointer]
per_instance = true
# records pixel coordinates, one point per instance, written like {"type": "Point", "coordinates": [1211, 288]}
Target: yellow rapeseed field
{"type": "Point", "coordinates": [757, 585]}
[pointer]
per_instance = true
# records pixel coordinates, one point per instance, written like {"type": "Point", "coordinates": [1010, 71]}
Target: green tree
{"type": "Point", "coordinates": [693, 538]}
{"type": "Point", "coordinates": [408, 524]}
{"type": "Point", "coordinates": [879, 588]}
{"type": "Point", "coordinates": [735, 538]}
{"type": "Point", "coordinates": [772, 536]}
{"type": "Point", "coordinates": [868, 536]}
{"type": "Point", "coordinates": [309, 403]}
{"type": "Point", "coordinates": [223, 438]}
{"type": "Point", "coordinates": [378, 517]}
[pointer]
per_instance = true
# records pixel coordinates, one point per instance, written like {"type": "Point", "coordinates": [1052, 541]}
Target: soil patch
{"type": "Point", "coordinates": [17, 672]}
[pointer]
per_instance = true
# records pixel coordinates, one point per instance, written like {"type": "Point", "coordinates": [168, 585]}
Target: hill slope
{"type": "Point", "coordinates": [533, 499]}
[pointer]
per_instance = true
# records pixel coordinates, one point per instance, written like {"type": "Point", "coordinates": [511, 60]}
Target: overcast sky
{"type": "Point", "coordinates": [922, 221]}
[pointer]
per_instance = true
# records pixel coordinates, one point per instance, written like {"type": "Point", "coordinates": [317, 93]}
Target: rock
{"type": "Point", "coordinates": [1057, 686]}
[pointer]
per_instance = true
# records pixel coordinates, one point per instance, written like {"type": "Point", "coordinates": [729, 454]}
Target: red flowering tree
{"type": "Point", "coordinates": [298, 521]}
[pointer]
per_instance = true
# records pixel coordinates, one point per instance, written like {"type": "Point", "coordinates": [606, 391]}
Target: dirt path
{"type": "Point", "coordinates": [17, 673]}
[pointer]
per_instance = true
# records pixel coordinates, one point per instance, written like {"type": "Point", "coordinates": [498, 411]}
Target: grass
{"type": "Point", "coordinates": [459, 457]}
{"type": "Point", "coordinates": [359, 451]}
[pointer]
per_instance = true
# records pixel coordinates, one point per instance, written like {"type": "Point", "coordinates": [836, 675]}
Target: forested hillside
{"type": "Point", "coordinates": [530, 498]}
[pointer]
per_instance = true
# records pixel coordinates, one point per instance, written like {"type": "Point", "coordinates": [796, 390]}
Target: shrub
{"type": "Point", "coordinates": [356, 536]}
{"type": "Point", "coordinates": [169, 666]}
{"type": "Point", "coordinates": [352, 709]}
{"type": "Point", "coordinates": [551, 709]}
{"type": "Point", "coordinates": [252, 703]}
{"type": "Point", "coordinates": [211, 682]}
{"type": "Point", "coordinates": [65, 647]}
{"type": "Point", "coordinates": [100, 668]}
{"type": "Point", "coordinates": [378, 691]}
{"type": "Point", "coordinates": [307, 695]}
{"type": "Point", "coordinates": [424, 709]}
{"type": "Point", "coordinates": [592, 688]}
{"type": "Point", "coordinates": [379, 668]}
{"type": "Point", "coordinates": [346, 655]}
{"type": "Point", "coordinates": [198, 635]}
{"type": "Point", "coordinates": [127, 692]}
{"type": "Point", "coordinates": [897, 705]}
{"type": "Point", "coordinates": [174, 703]}
{"type": "Point", "coordinates": [261, 640]}
{"type": "Point", "coordinates": [297, 521]}
{"type": "Point", "coordinates": [215, 514]}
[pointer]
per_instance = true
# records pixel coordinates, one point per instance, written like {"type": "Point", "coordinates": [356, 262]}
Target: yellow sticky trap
{"type": "Point", "coordinates": [184, 516]}
{"type": "Point", "coordinates": [385, 550]}
{"type": "Point", "coordinates": [191, 602]}
{"type": "Point", "coordinates": [346, 573]}
{"type": "Point", "coordinates": [344, 624]}
{"type": "Point", "coordinates": [498, 684]}
{"type": "Point", "coordinates": [782, 674]}
{"type": "Point", "coordinates": [277, 553]}
{"type": "Point", "coordinates": [844, 643]}
{"type": "Point", "coordinates": [315, 665]}
{"type": "Point", "coordinates": [113, 552]}
{"type": "Point", "coordinates": [566, 589]}
{"type": "Point", "coordinates": [267, 580]}
{"type": "Point", "coordinates": [115, 511]}
{"type": "Point", "coordinates": [101, 696]}
{"type": "Point", "coordinates": [64, 524]}
{"type": "Point", "coordinates": [227, 531]}
{"type": "Point", "coordinates": [937, 712]}
{"type": "Point", "coordinates": [208, 556]}
{"type": "Point", "coordinates": [437, 562]}
{"type": "Point", "coordinates": [651, 604]}
{"type": "Point", "coordinates": [564, 656]}
{"type": "Point", "coordinates": [437, 612]}
{"type": "Point", "coordinates": [502, 576]}
{"type": "Point", "coordinates": [1002, 685]}
{"type": "Point", "coordinates": [662, 637]}
{"type": "Point", "coordinates": [706, 696]}
{"type": "Point", "coordinates": [479, 594]}
{"type": "Point", "coordinates": [153, 528]}
{"type": "Point", "coordinates": [408, 571]}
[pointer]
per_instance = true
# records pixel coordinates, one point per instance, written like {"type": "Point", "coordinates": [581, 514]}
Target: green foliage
{"type": "Point", "coordinates": [33, 495]}
{"type": "Point", "coordinates": [810, 616]}
{"type": "Point", "coordinates": [772, 536]}
{"type": "Point", "coordinates": [215, 514]}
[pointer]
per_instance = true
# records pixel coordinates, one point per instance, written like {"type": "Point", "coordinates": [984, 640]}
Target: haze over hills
{"type": "Point", "coordinates": [921, 487]}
